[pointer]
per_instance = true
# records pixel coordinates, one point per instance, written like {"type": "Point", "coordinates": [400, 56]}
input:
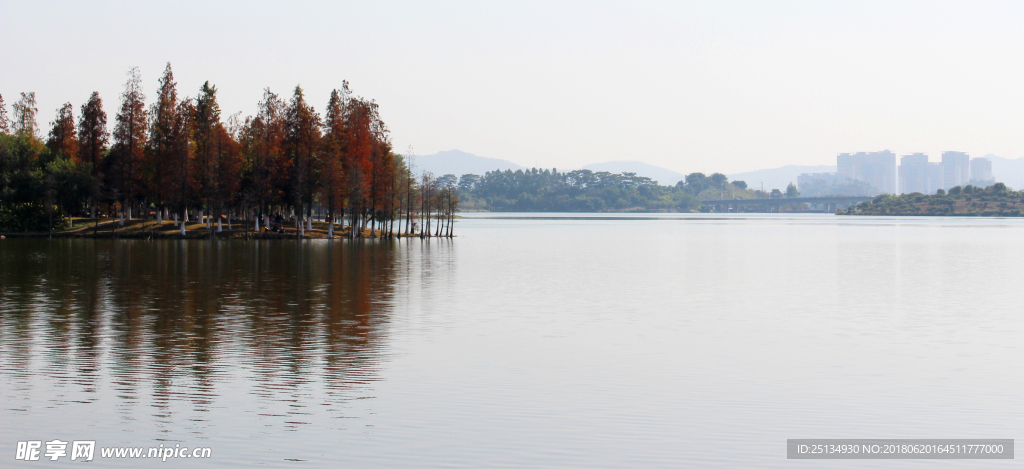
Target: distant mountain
{"type": "Point", "coordinates": [459, 162]}
{"type": "Point", "coordinates": [779, 178]}
{"type": "Point", "coordinates": [1007, 171]}
{"type": "Point", "coordinates": [664, 177]}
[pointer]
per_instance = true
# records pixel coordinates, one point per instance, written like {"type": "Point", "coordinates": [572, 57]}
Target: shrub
{"type": "Point", "coordinates": [30, 217]}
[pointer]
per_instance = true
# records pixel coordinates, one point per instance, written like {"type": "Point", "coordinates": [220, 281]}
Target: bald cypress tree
{"type": "Point", "coordinates": [5, 122]}
{"type": "Point", "coordinates": [332, 156]}
{"type": "Point", "coordinates": [25, 111]}
{"type": "Point", "coordinates": [261, 140]}
{"type": "Point", "coordinates": [93, 138]}
{"type": "Point", "coordinates": [161, 146]}
{"type": "Point", "coordinates": [302, 141]}
{"type": "Point", "coordinates": [205, 135]}
{"type": "Point", "coordinates": [124, 172]}
{"type": "Point", "coordinates": [92, 132]}
{"type": "Point", "coordinates": [63, 139]}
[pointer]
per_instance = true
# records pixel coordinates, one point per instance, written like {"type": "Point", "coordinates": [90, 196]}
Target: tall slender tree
{"type": "Point", "coordinates": [301, 144]}
{"type": "Point", "coordinates": [226, 169]}
{"type": "Point", "coordinates": [205, 125]}
{"type": "Point", "coordinates": [182, 181]}
{"type": "Point", "coordinates": [266, 167]}
{"type": "Point", "coordinates": [92, 132]}
{"type": "Point", "coordinates": [25, 111]}
{"type": "Point", "coordinates": [5, 122]}
{"type": "Point", "coordinates": [332, 155]}
{"type": "Point", "coordinates": [358, 158]}
{"type": "Point", "coordinates": [127, 156]}
{"type": "Point", "coordinates": [63, 139]}
{"type": "Point", "coordinates": [162, 146]}
{"type": "Point", "coordinates": [93, 138]}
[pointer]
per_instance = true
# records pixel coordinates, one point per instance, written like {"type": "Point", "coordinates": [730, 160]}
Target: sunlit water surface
{"type": "Point", "coordinates": [553, 341]}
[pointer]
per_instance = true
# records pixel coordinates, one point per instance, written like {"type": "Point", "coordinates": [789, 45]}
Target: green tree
{"type": "Point", "coordinates": [74, 183]}
{"type": "Point", "coordinates": [791, 191]}
{"type": "Point", "coordinates": [718, 180]}
{"type": "Point", "coordinates": [5, 122]}
{"type": "Point", "coordinates": [25, 111]}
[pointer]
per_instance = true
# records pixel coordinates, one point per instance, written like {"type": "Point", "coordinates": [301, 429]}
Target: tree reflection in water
{"type": "Point", "coordinates": [168, 327]}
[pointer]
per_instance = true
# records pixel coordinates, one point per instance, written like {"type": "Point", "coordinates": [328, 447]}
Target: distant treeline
{"type": "Point", "coordinates": [548, 190]}
{"type": "Point", "coordinates": [178, 156]}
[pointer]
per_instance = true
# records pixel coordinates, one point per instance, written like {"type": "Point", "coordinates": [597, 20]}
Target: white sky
{"type": "Point", "coordinates": [690, 86]}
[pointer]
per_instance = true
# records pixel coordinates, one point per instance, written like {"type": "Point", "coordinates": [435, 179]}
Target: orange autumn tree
{"type": "Point", "coordinates": [124, 163]}
{"type": "Point", "coordinates": [333, 189]}
{"type": "Point", "coordinates": [63, 139]}
{"type": "Point", "coordinates": [163, 158]}
{"type": "Point", "coordinates": [177, 154]}
{"type": "Point", "coordinates": [92, 132]}
{"type": "Point", "coordinates": [266, 168]}
{"type": "Point", "coordinates": [359, 158]}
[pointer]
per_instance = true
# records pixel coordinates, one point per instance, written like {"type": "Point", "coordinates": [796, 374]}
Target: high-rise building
{"type": "Point", "coordinates": [914, 173]}
{"type": "Point", "coordinates": [981, 172]}
{"type": "Point", "coordinates": [935, 178]}
{"type": "Point", "coordinates": [956, 169]}
{"type": "Point", "coordinates": [878, 169]}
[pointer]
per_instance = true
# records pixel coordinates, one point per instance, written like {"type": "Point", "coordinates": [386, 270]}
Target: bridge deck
{"type": "Point", "coordinates": [794, 200]}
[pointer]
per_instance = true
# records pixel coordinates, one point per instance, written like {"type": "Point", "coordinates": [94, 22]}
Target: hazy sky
{"type": "Point", "coordinates": [691, 86]}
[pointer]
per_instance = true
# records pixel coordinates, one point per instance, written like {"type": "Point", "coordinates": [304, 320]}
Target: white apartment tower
{"type": "Point", "coordinates": [956, 169]}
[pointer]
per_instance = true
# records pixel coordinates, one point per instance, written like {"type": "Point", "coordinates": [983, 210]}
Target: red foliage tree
{"type": "Point", "coordinates": [124, 166]}
{"type": "Point", "coordinates": [63, 139]}
{"type": "Point", "coordinates": [92, 132]}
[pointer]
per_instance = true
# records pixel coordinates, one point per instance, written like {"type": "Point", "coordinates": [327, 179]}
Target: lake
{"type": "Point", "coordinates": [529, 340]}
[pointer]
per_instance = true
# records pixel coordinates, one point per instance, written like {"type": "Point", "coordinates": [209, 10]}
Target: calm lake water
{"type": "Point", "coordinates": [528, 341]}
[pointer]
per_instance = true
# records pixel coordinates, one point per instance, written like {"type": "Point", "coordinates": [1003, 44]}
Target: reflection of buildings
{"type": "Point", "coordinates": [877, 169]}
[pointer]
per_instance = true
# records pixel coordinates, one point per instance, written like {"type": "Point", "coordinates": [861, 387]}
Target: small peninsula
{"type": "Point", "coordinates": [993, 201]}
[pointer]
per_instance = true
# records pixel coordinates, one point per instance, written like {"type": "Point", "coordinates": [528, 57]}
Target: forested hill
{"type": "Point", "coordinates": [548, 190]}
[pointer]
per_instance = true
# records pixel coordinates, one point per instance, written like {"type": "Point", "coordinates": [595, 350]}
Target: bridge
{"type": "Point", "coordinates": [831, 204]}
